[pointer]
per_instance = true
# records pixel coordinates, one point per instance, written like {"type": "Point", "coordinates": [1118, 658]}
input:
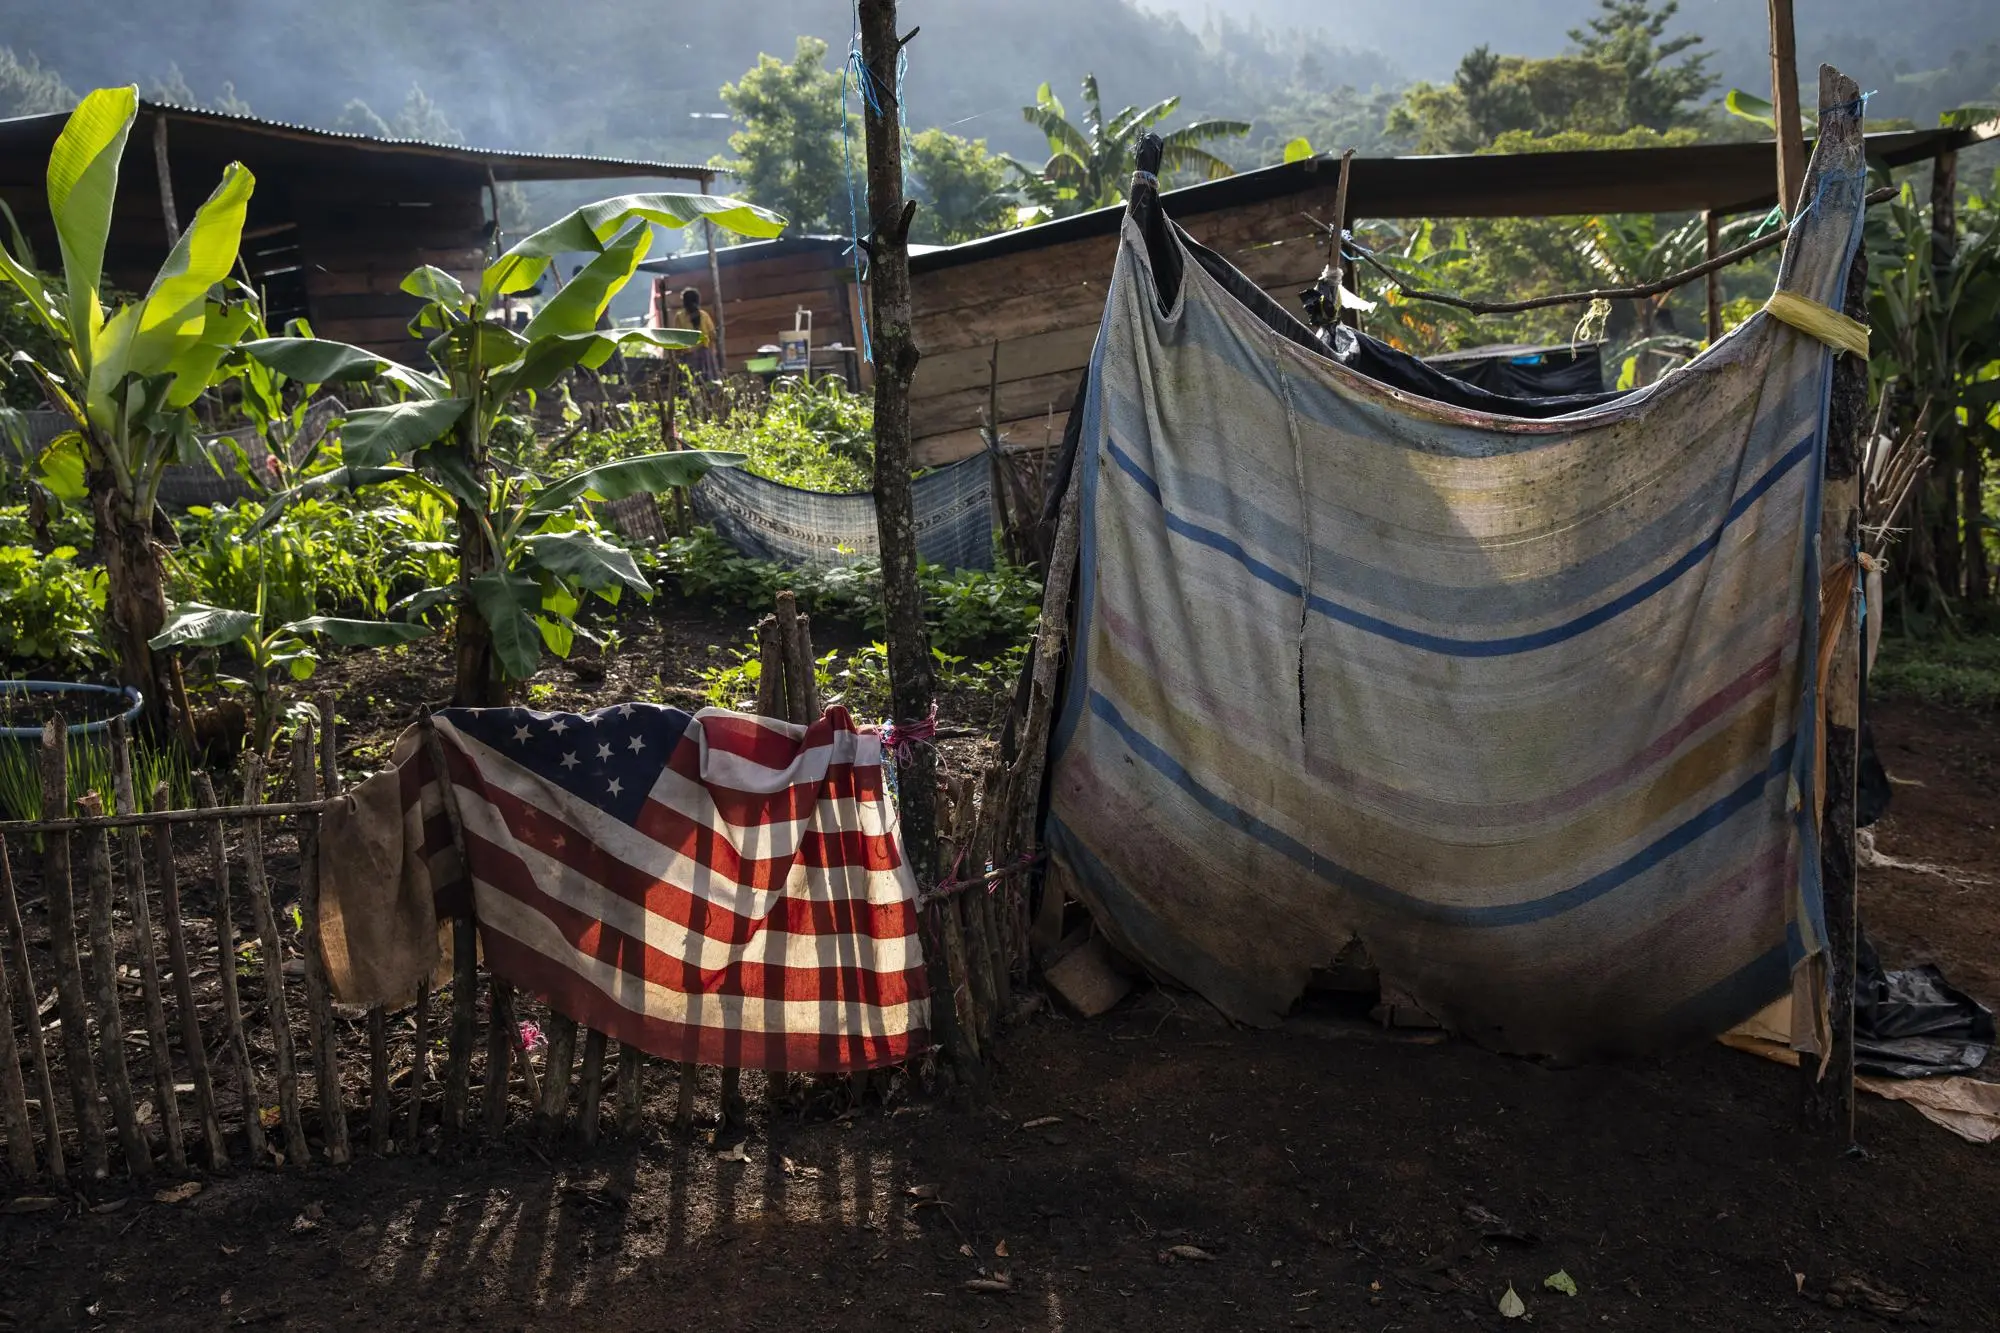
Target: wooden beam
{"type": "Point", "coordinates": [1785, 105]}
{"type": "Point", "coordinates": [166, 181]}
{"type": "Point", "coordinates": [1712, 244]}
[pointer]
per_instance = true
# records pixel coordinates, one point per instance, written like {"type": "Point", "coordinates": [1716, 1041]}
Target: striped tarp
{"type": "Point", "coordinates": [1524, 706]}
{"type": "Point", "coordinates": [952, 509]}
{"type": "Point", "coordinates": [716, 887]}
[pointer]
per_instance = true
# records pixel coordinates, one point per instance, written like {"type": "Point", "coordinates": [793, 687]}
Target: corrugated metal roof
{"type": "Point", "coordinates": [214, 126]}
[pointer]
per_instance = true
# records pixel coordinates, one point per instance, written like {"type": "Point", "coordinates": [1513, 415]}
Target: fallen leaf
{"type": "Point", "coordinates": [922, 1192]}
{"type": "Point", "coordinates": [1000, 1250]}
{"type": "Point", "coordinates": [1192, 1253]}
{"type": "Point", "coordinates": [302, 1223]}
{"type": "Point", "coordinates": [1799, 1282]}
{"type": "Point", "coordinates": [1042, 1122]}
{"type": "Point", "coordinates": [965, 1250]}
{"type": "Point", "coordinates": [180, 1193]}
{"type": "Point", "coordinates": [994, 1285]}
{"type": "Point", "coordinates": [29, 1203]}
{"type": "Point", "coordinates": [144, 1113]}
{"type": "Point", "coordinates": [1512, 1306]}
{"type": "Point", "coordinates": [267, 1116]}
{"type": "Point", "coordinates": [1561, 1281]}
{"type": "Point", "coordinates": [736, 1152]}
{"type": "Point", "coordinates": [111, 1207]}
{"type": "Point", "coordinates": [230, 1251]}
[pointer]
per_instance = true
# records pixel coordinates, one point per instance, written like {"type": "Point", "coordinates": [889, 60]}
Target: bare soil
{"type": "Point", "coordinates": [1157, 1169]}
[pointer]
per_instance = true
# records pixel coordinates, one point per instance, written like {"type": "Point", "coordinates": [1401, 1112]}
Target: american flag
{"type": "Point", "coordinates": [714, 887]}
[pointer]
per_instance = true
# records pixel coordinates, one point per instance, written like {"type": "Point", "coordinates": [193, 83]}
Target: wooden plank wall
{"type": "Point", "coordinates": [761, 295]}
{"type": "Point", "coordinates": [360, 239]}
{"type": "Point", "coordinates": [1040, 309]}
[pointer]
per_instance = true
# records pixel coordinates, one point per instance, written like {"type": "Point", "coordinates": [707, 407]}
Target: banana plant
{"type": "Point", "coordinates": [523, 554]}
{"type": "Point", "coordinates": [274, 652]}
{"type": "Point", "coordinates": [127, 377]}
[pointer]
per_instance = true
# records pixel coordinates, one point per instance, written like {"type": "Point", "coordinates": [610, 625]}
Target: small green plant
{"type": "Point", "coordinates": [54, 608]}
{"type": "Point", "coordinates": [1955, 673]}
{"type": "Point", "coordinates": [90, 771]}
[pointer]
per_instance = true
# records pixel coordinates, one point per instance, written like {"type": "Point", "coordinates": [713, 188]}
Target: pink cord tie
{"type": "Point", "coordinates": [902, 739]}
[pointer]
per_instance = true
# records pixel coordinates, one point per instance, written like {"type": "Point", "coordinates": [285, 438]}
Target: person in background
{"type": "Point", "coordinates": [704, 360]}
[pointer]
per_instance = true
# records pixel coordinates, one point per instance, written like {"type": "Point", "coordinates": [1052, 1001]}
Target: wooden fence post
{"type": "Point", "coordinates": [319, 996]}
{"type": "Point", "coordinates": [13, 1091]}
{"type": "Point", "coordinates": [45, 1087]}
{"type": "Point", "coordinates": [464, 956]}
{"type": "Point", "coordinates": [104, 978]}
{"type": "Point", "coordinates": [192, 1045]}
{"type": "Point", "coordinates": [272, 946]}
{"type": "Point", "coordinates": [1826, 1094]}
{"type": "Point", "coordinates": [149, 961]}
{"type": "Point", "coordinates": [79, 1065]}
{"type": "Point", "coordinates": [232, 998]}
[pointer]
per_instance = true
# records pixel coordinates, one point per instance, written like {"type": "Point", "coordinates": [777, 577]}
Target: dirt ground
{"type": "Point", "coordinates": [1156, 1169]}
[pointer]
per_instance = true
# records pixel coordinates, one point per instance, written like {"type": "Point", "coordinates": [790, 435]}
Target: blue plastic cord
{"type": "Point", "coordinates": [857, 76]}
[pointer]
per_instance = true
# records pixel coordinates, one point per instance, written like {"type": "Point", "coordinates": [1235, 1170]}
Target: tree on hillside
{"type": "Point", "coordinates": [790, 155]}
{"type": "Point", "coordinates": [173, 89]}
{"type": "Point", "coordinates": [1089, 165]}
{"type": "Point", "coordinates": [28, 88]}
{"type": "Point", "coordinates": [961, 187]}
{"type": "Point", "coordinates": [420, 118]}
{"type": "Point", "coordinates": [1627, 35]}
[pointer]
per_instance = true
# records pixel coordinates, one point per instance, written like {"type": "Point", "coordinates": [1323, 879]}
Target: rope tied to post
{"type": "Point", "coordinates": [901, 739]}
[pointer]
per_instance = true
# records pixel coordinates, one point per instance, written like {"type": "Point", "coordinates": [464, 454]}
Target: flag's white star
{"type": "Point", "coordinates": [604, 751]}
{"type": "Point", "coordinates": [569, 760]}
{"type": "Point", "coordinates": [558, 726]}
{"type": "Point", "coordinates": [616, 786]}
{"type": "Point", "coordinates": [636, 744]}
{"type": "Point", "coordinates": [521, 732]}
{"type": "Point", "coordinates": [623, 710]}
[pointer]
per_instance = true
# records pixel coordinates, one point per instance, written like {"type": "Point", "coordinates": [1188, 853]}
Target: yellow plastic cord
{"type": "Point", "coordinates": [1822, 322]}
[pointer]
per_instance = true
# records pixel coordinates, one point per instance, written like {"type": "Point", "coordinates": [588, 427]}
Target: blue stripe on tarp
{"type": "Point", "coordinates": [1674, 840]}
{"type": "Point", "coordinates": [1444, 644]}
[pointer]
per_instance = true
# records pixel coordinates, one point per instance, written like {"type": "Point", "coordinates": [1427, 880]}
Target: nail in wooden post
{"type": "Point", "coordinates": [593, 1086]}
{"type": "Point", "coordinates": [45, 1086]}
{"type": "Point", "coordinates": [465, 957]}
{"type": "Point", "coordinates": [192, 1046]}
{"type": "Point", "coordinates": [232, 998]}
{"type": "Point", "coordinates": [104, 979]}
{"type": "Point", "coordinates": [149, 960]}
{"type": "Point", "coordinates": [556, 1071]}
{"type": "Point", "coordinates": [631, 1096]}
{"type": "Point", "coordinates": [13, 1091]}
{"type": "Point", "coordinates": [499, 1051]}
{"type": "Point", "coordinates": [319, 995]}
{"type": "Point", "coordinates": [79, 1065]}
{"type": "Point", "coordinates": [419, 1067]}
{"type": "Point", "coordinates": [273, 949]}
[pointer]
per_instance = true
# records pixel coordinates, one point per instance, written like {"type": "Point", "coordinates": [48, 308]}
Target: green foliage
{"type": "Point", "coordinates": [55, 608]}
{"type": "Point", "coordinates": [27, 88]}
{"type": "Point", "coordinates": [1628, 36]}
{"type": "Point", "coordinates": [790, 155]}
{"type": "Point", "coordinates": [1088, 165]}
{"type": "Point", "coordinates": [1952, 672]}
{"type": "Point", "coordinates": [90, 771]}
{"type": "Point", "coordinates": [961, 189]}
{"type": "Point", "coordinates": [817, 436]}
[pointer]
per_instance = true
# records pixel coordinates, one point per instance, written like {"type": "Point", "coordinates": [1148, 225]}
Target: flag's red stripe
{"type": "Point", "coordinates": [760, 742]}
{"type": "Point", "coordinates": [834, 849]}
{"type": "Point", "coordinates": [746, 808]}
{"type": "Point", "coordinates": [795, 1052]}
{"type": "Point", "coordinates": [556, 839]}
{"type": "Point", "coordinates": [745, 977]}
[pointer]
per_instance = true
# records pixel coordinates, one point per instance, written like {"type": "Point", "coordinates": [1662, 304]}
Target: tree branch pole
{"type": "Point", "coordinates": [166, 179]}
{"type": "Point", "coordinates": [1654, 288]}
{"type": "Point", "coordinates": [911, 687]}
{"type": "Point", "coordinates": [1712, 295]}
{"type": "Point", "coordinates": [715, 286]}
{"type": "Point", "coordinates": [1785, 106]}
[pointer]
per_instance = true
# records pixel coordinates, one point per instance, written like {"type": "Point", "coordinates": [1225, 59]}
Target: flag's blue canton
{"type": "Point", "coordinates": [611, 758]}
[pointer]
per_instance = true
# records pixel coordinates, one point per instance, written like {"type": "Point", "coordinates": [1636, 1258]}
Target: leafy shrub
{"type": "Point", "coordinates": [54, 608]}
{"type": "Point", "coordinates": [818, 436]}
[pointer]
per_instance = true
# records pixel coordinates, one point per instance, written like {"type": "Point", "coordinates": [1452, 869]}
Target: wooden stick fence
{"type": "Point", "coordinates": [252, 1068]}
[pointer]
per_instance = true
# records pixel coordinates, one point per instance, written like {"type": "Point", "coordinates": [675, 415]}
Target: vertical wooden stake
{"type": "Point", "coordinates": [715, 282]}
{"type": "Point", "coordinates": [797, 660]}
{"type": "Point", "coordinates": [104, 979]}
{"type": "Point", "coordinates": [557, 1069]}
{"type": "Point", "coordinates": [911, 685]}
{"type": "Point", "coordinates": [500, 1032]}
{"type": "Point", "coordinates": [771, 690]}
{"type": "Point", "coordinates": [1826, 1100]}
{"type": "Point", "coordinates": [31, 1018]}
{"type": "Point", "coordinates": [13, 1091]}
{"type": "Point", "coordinates": [1712, 285]}
{"type": "Point", "coordinates": [79, 1065]}
{"type": "Point", "coordinates": [319, 995]}
{"type": "Point", "coordinates": [593, 1086]}
{"type": "Point", "coordinates": [631, 1096]}
{"type": "Point", "coordinates": [420, 1063]}
{"type": "Point", "coordinates": [126, 801]}
{"type": "Point", "coordinates": [734, 1112]}
{"type": "Point", "coordinates": [232, 999]}
{"type": "Point", "coordinates": [166, 179]}
{"type": "Point", "coordinates": [192, 1047]}
{"type": "Point", "coordinates": [690, 1078]}
{"type": "Point", "coordinates": [272, 946]}
{"type": "Point", "coordinates": [1785, 106]}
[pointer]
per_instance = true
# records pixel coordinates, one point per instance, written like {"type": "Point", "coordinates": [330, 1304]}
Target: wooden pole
{"type": "Point", "coordinates": [1785, 106]}
{"type": "Point", "coordinates": [500, 1033]}
{"type": "Point", "coordinates": [13, 1089]}
{"type": "Point", "coordinates": [272, 947]}
{"type": "Point", "coordinates": [1826, 1099]}
{"type": "Point", "coordinates": [78, 1063]}
{"type": "Point", "coordinates": [464, 956]}
{"type": "Point", "coordinates": [911, 686]}
{"type": "Point", "coordinates": [1712, 244]}
{"type": "Point", "coordinates": [593, 1087]}
{"type": "Point", "coordinates": [715, 285]}
{"type": "Point", "coordinates": [104, 980]}
{"type": "Point", "coordinates": [557, 1069]}
{"type": "Point", "coordinates": [31, 1017]}
{"type": "Point", "coordinates": [149, 961]}
{"type": "Point", "coordinates": [232, 999]}
{"type": "Point", "coordinates": [631, 1070]}
{"type": "Point", "coordinates": [319, 994]}
{"type": "Point", "coordinates": [193, 1049]}
{"type": "Point", "coordinates": [420, 1059]}
{"type": "Point", "coordinates": [166, 179]}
